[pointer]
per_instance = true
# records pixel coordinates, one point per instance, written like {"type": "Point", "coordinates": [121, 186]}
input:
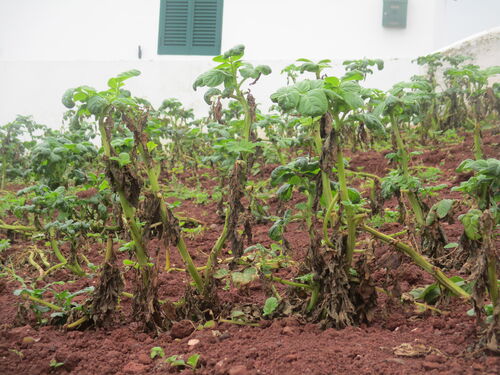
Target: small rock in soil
{"type": "Point", "coordinates": [144, 358]}
{"type": "Point", "coordinates": [429, 366]}
{"type": "Point", "coordinates": [28, 340]}
{"type": "Point", "coordinates": [181, 329]}
{"type": "Point", "coordinates": [291, 321]}
{"type": "Point", "coordinates": [291, 357]}
{"type": "Point", "coordinates": [239, 370]}
{"type": "Point", "coordinates": [290, 331]}
{"type": "Point", "coordinates": [193, 342]}
{"type": "Point", "coordinates": [224, 336]}
{"type": "Point", "coordinates": [435, 358]}
{"type": "Point", "coordinates": [134, 368]}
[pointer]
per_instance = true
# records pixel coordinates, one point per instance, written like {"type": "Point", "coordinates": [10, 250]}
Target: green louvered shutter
{"type": "Point", "coordinates": [190, 27]}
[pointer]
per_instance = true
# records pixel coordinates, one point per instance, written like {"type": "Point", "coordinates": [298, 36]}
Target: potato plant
{"type": "Point", "coordinates": [286, 172]}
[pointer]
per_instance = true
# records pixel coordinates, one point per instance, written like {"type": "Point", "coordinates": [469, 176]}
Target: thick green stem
{"type": "Point", "coordinates": [17, 228]}
{"type": "Point", "coordinates": [4, 172]}
{"type": "Point", "coordinates": [364, 174]}
{"type": "Point", "coordinates": [344, 196]}
{"type": "Point", "coordinates": [32, 261]}
{"type": "Point", "coordinates": [493, 280]}
{"type": "Point", "coordinates": [314, 298]}
{"type": "Point", "coordinates": [191, 268]}
{"type": "Point", "coordinates": [153, 173]}
{"type": "Point", "coordinates": [41, 302]}
{"type": "Point", "coordinates": [75, 268]}
{"type": "Point", "coordinates": [325, 179]}
{"type": "Point", "coordinates": [405, 160]}
{"type": "Point", "coordinates": [416, 207]}
{"type": "Point", "coordinates": [128, 209]}
{"type": "Point", "coordinates": [328, 216]}
{"type": "Point", "coordinates": [108, 256]}
{"type": "Point", "coordinates": [288, 282]}
{"type": "Point", "coordinates": [214, 253]}
{"type": "Point", "coordinates": [309, 213]}
{"type": "Point", "coordinates": [76, 323]}
{"type": "Point", "coordinates": [420, 261]}
{"type": "Point", "coordinates": [135, 230]}
{"type": "Point", "coordinates": [402, 152]}
{"type": "Point", "coordinates": [478, 142]}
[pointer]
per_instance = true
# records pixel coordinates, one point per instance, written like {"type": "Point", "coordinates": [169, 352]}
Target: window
{"type": "Point", "coordinates": [190, 27]}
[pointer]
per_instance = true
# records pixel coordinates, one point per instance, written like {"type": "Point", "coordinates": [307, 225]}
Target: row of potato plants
{"type": "Point", "coordinates": [317, 117]}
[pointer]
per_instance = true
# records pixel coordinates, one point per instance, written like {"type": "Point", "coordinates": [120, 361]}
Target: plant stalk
{"type": "Point", "coordinates": [420, 261]}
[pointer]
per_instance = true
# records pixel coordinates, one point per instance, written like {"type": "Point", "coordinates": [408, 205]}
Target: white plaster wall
{"type": "Point", "coordinates": [459, 19]}
{"type": "Point", "coordinates": [274, 29]}
{"type": "Point", "coordinates": [47, 46]}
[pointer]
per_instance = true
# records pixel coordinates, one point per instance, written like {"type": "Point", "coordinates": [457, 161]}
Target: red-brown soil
{"type": "Point", "coordinates": [279, 346]}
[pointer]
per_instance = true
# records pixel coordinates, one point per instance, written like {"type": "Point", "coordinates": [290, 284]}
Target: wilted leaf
{"type": "Point", "coordinates": [270, 305]}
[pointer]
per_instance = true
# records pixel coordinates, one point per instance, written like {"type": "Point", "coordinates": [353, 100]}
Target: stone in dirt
{"type": "Point", "coordinates": [134, 368]}
{"type": "Point", "coordinates": [240, 370]}
{"type": "Point", "coordinates": [144, 358]}
{"type": "Point", "coordinates": [181, 329]}
{"type": "Point", "coordinates": [290, 331]}
{"type": "Point", "coordinates": [429, 366]}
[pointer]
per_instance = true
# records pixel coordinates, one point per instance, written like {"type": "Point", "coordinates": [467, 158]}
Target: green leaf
{"type": "Point", "coordinates": [309, 67]}
{"type": "Point", "coordinates": [287, 98]}
{"type": "Point", "coordinates": [245, 277]}
{"type": "Point", "coordinates": [263, 69]}
{"type": "Point", "coordinates": [313, 103]}
{"type": "Point", "coordinates": [492, 70]}
{"type": "Point", "coordinates": [353, 76]}
{"type": "Point", "coordinates": [354, 195]}
{"type": "Point", "coordinates": [451, 245]}
{"type": "Point", "coordinates": [157, 351]}
{"type": "Point", "coordinates": [470, 221]}
{"type": "Point", "coordinates": [67, 98]}
{"type": "Point", "coordinates": [221, 273]}
{"type": "Point", "coordinates": [211, 92]}
{"type": "Point", "coordinates": [238, 50]}
{"type": "Point", "coordinates": [443, 207]}
{"type": "Point", "coordinates": [212, 78]}
{"type": "Point", "coordinates": [96, 105]}
{"type": "Point", "coordinates": [193, 361]}
{"type": "Point", "coordinates": [333, 81]}
{"type": "Point", "coordinates": [241, 146]}
{"type": "Point", "coordinates": [307, 85]}
{"type": "Point", "coordinates": [151, 146]}
{"type": "Point", "coordinates": [219, 59]}
{"type": "Point", "coordinates": [352, 99]}
{"type": "Point", "coordinates": [209, 324]}
{"type": "Point", "coordinates": [122, 159]}
{"type": "Point", "coordinates": [285, 192]}
{"type": "Point", "coordinates": [276, 231]}
{"type": "Point", "coordinates": [117, 82]}
{"type": "Point", "coordinates": [248, 71]}
{"type": "Point", "coordinates": [174, 361]}
{"type": "Point", "coordinates": [104, 185]}
{"type": "Point", "coordinates": [270, 305]}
